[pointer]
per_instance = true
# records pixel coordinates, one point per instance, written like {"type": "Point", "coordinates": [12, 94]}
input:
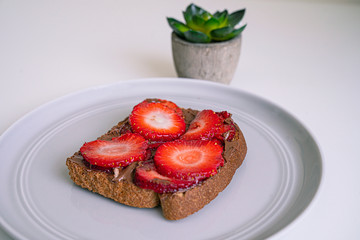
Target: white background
{"type": "Point", "coordinates": [302, 55]}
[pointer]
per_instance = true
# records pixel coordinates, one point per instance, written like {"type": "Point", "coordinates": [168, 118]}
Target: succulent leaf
{"type": "Point", "coordinates": [238, 31]}
{"type": "Point", "coordinates": [223, 19]}
{"type": "Point", "coordinates": [211, 24]}
{"type": "Point", "coordinates": [178, 27]}
{"type": "Point", "coordinates": [196, 37]}
{"type": "Point", "coordinates": [202, 26]}
{"type": "Point", "coordinates": [221, 34]}
{"type": "Point", "coordinates": [192, 9]}
{"type": "Point", "coordinates": [187, 17]}
{"type": "Point", "coordinates": [226, 33]}
{"type": "Point", "coordinates": [196, 23]}
{"type": "Point", "coordinates": [206, 16]}
{"type": "Point", "coordinates": [197, 20]}
{"type": "Point", "coordinates": [236, 17]}
{"type": "Point", "coordinates": [217, 14]}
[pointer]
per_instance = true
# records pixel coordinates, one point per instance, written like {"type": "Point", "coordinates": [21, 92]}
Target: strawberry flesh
{"type": "Point", "coordinates": [223, 115]}
{"type": "Point", "coordinates": [168, 104]}
{"type": "Point", "coordinates": [156, 122]}
{"type": "Point", "coordinates": [119, 152]}
{"type": "Point", "coordinates": [189, 159]}
{"type": "Point", "coordinates": [227, 130]}
{"type": "Point", "coordinates": [209, 125]}
{"type": "Point", "coordinates": [154, 130]}
{"type": "Point", "coordinates": [204, 126]}
{"type": "Point", "coordinates": [155, 144]}
{"type": "Point", "coordinates": [147, 177]}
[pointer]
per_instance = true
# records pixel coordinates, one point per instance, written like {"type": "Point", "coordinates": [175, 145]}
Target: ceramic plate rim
{"type": "Point", "coordinates": [9, 228]}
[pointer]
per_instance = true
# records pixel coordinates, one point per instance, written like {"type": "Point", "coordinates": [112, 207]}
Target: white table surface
{"type": "Point", "coordinates": [302, 55]}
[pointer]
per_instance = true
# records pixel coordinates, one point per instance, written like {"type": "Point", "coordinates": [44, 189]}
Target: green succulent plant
{"type": "Point", "coordinates": [203, 27]}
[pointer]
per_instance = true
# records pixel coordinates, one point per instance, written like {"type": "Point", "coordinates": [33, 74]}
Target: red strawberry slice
{"type": "Point", "coordinates": [193, 159]}
{"type": "Point", "coordinates": [119, 152]}
{"type": "Point", "coordinates": [147, 177]}
{"type": "Point", "coordinates": [223, 115]}
{"type": "Point", "coordinates": [155, 144]}
{"type": "Point", "coordinates": [156, 122]}
{"type": "Point", "coordinates": [226, 132]}
{"type": "Point", "coordinates": [169, 104]}
{"type": "Point", "coordinates": [204, 126]}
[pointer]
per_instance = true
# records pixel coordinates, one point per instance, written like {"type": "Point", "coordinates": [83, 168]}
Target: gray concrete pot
{"type": "Point", "coordinates": [209, 61]}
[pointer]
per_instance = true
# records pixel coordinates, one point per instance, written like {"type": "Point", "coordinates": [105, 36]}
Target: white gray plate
{"type": "Point", "coordinates": [278, 180]}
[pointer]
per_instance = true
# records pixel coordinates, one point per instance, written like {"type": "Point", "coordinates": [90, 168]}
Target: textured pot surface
{"type": "Point", "coordinates": [209, 61]}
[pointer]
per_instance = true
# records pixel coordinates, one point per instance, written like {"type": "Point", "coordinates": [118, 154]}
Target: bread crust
{"type": "Point", "coordinates": [175, 206]}
{"type": "Point", "coordinates": [123, 191]}
{"type": "Point", "coordinates": [182, 204]}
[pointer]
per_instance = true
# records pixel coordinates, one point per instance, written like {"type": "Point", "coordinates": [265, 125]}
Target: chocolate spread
{"type": "Point", "coordinates": [127, 173]}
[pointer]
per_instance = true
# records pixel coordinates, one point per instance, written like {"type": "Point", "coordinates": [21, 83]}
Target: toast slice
{"type": "Point", "coordinates": [118, 183]}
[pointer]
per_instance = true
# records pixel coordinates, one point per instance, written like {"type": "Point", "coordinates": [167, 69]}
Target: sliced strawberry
{"type": "Point", "coordinates": [155, 144]}
{"type": "Point", "coordinates": [223, 115]}
{"type": "Point", "coordinates": [147, 177]}
{"type": "Point", "coordinates": [169, 104]}
{"type": "Point", "coordinates": [119, 152]}
{"type": "Point", "coordinates": [226, 132]}
{"type": "Point", "coordinates": [193, 159]}
{"type": "Point", "coordinates": [156, 122]}
{"type": "Point", "coordinates": [204, 126]}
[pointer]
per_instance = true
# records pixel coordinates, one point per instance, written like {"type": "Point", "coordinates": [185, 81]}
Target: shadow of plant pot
{"type": "Point", "coordinates": [209, 61]}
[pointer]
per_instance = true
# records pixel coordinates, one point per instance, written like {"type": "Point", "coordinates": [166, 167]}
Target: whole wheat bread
{"type": "Point", "coordinates": [118, 184]}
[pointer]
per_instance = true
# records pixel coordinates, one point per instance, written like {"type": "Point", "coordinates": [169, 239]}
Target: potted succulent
{"type": "Point", "coordinates": [207, 46]}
